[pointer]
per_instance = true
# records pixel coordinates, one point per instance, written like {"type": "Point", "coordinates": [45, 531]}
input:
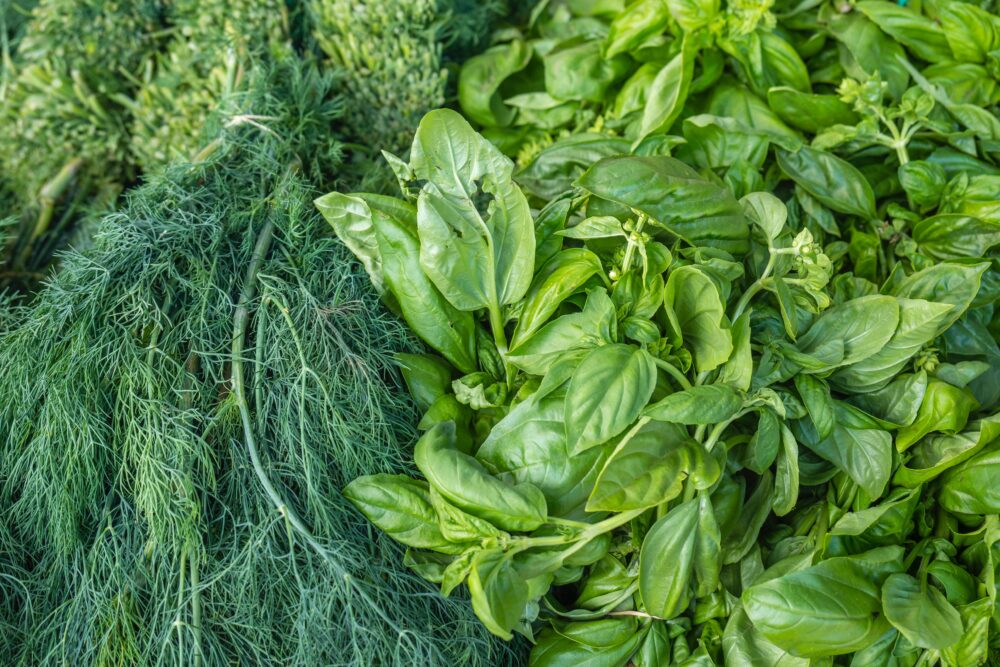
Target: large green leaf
{"type": "Point", "coordinates": [919, 323]}
{"type": "Point", "coordinates": [831, 608]}
{"type": "Point", "coordinates": [705, 404]}
{"type": "Point", "coordinates": [698, 315]}
{"type": "Point", "coordinates": [972, 487]}
{"type": "Point", "coordinates": [390, 224]}
{"type": "Point", "coordinates": [477, 258]}
{"type": "Point", "coordinates": [920, 612]}
{"type": "Point", "coordinates": [558, 278]}
{"type": "Point", "coordinates": [401, 507]}
{"type": "Point", "coordinates": [607, 392]}
{"type": "Point", "coordinates": [667, 561]}
{"type": "Point", "coordinates": [648, 467]}
{"type": "Point", "coordinates": [833, 181]}
{"type": "Point", "coordinates": [864, 326]}
{"type": "Point", "coordinates": [529, 444]}
{"type": "Point", "coordinates": [464, 481]}
{"type": "Point", "coordinates": [675, 196]}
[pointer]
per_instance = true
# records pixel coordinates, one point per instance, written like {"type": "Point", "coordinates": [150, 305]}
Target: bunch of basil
{"type": "Point", "coordinates": [715, 369]}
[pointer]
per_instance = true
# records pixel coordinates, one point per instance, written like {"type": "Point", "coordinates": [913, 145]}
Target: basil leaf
{"type": "Point", "coordinates": [667, 561]}
{"type": "Point", "coordinates": [832, 181]}
{"type": "Point", "coordinates": [675, 196]}
{"type": "Point", "coordinates": [463, 481]}
{"type": "Point", "coordinates": [828, 609]}
{"type": "Point", "coordinates": [698, 317]}
{"type": "Point", "coordinates": [708, 404]}
{"type": "Point", "coordinates": [529, 445]}
{"type": "Point", "coordinates": [481, 77]}
{"type": "Point", "coordinates": [607, 392]}
{"type": "Point", "coordinates": [401, 507]}
{"type": "Point", "coordinates": [920, 612]}
{"type": "Point", "coordinates": [648, 467]}
{"type": "Point", "coordinates": [476, 260]}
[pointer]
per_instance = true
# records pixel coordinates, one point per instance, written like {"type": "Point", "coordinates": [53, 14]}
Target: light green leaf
{"type": "Point", "coordinates": [463, 481]}
{"type": "Point", "coordinates": [606, 394]}
{"type": "Point", "coordinates": [706, 404]}
{"type": "Point", "coordinates": [666, 561]}
{"type": "Point", "coordinates": [698, 316]}
{"type": "Point", "coordinates": [478, 259]}
{"type": "Point", "coordinates": [648, 467]}
{"type": "Point", "coordinates": [920, 612]}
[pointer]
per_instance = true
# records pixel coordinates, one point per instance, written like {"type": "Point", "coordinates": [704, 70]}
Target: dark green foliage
{"type": "Point", "coordinates": [137, 531]}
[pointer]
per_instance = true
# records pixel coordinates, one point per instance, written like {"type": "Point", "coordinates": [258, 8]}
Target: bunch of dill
{"type": "Point", "coordinates": [182, 402]}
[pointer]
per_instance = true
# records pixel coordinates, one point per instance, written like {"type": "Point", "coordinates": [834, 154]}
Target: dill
{"type": "Point", "coordinates": [138, 529]}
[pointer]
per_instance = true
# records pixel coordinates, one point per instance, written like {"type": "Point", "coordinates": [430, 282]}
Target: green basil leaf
{"type": "Point", "coordinates": [698, 316]}
{"type": "Point", "coordinates": [706, 404]}
{"type": "Point", "coordinates": [809, 112]}
{"type": "Point", "coordinates": [655, 649]}
{"type": "Point", "coordinates": [668, 92]}
{"type": "Point", "coordinates": [576, 70]}
{"type": "Point", "coordinates": [463, 481]}
{"type": "Point", "coordinates": [815, 396]}
{"type": "Point", "coordinates": [863, 451]}
{"type": "Point", "coordinates": [427, 377]}
{"type": "Point", "coordinates": [476, 260]}
{"type": "Point", "coordinates": [864, 326]}
{"type": "Point", "coordinates": [529, 444]}
{"type": "Point", "coordinates": [952, 236]}
{"type": "Point", "coordinates": [499, 593]}
{"type": "Point", "coordinates": [401, 507]}
{"type": "Point", "coordinates": [945, 408]}
{"type": "Point", "coordinates": [872, 50]}
{"type": "Point", "coordinates": [480, 79]}
{"type": "Point", "coordinates": [831, 608]}
{"type": "Point", "coordinates": [554, 169]}
{"type": "Point", "coordinates": [744, 646]}
{"type": "Point", "coordinates": [666, 561]}
{"type": "Point", "coordinates": [555, 650]}
{"type": "Point", "coordinates": [708, 548]}
{"type": "Point", "coordinates": [919, 323]}
{"type": "Point", "coordinates": [973, 647]}
{"type": "Point", "coordinates": [972, 32]}
{"type": "Point", "coordinates": [640, 21]}
{"type": "Point", "coordinates": [971, 488]}
{"type": "Point", "coordinates": [916, 32]}
{"type": "Point", "coordinates": [945, 282]}
{"type": "Point", "coordinates": [587, 329]}
{"type": "Point", "coordinates": [392, 222]}
{"type": "Point", "coordinates": [606, 394]}
{"type": "Point", "coordinates": [675, 196]}
{"type": "Point", "coordinates": [648, 467]}
{"type": "Point", "coordinates": [933, 455]}
{"type": "Point", "coordinates": [786, 479]}
{"type": "Point", "coordinates": [558, 278]}
{"type": "Point", "coordinates": [920, 612]}
{"type": "Point", "coordinates": [832, 181]}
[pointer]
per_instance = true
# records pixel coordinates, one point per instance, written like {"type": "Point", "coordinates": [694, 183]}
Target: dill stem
{"type": "Point", "coordinates": [180, 607]}
{"type": "Point", "coordinates": [196, 608]}
{"type": "Point", "coordinates": [240, 322]}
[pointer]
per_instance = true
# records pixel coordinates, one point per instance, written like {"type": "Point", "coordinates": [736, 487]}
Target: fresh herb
{"type": "Point", "coordinates": [712, 366]}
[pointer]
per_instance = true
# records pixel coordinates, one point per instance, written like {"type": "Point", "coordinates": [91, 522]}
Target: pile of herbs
{"type": "Point", "coordinates": [713, 367]}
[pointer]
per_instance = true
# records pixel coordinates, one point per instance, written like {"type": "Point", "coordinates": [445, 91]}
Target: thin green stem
{"type": "Point", "coordinates": [673, 371]}
{"type": "Point", "coordinates": [630, 249]}
{"type": "Point", "coordinates": [755, 287]}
